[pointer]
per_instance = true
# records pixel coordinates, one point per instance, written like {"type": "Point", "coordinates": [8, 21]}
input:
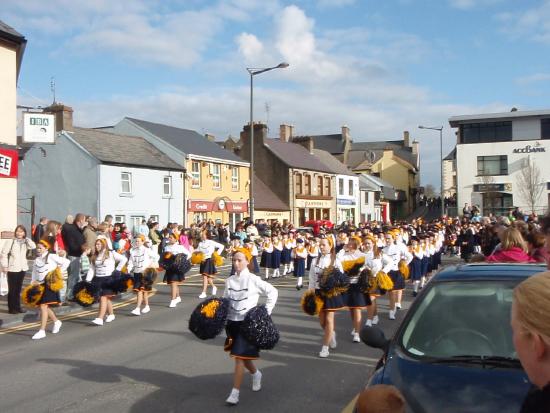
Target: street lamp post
{"type": "Point", "coordinates": [440, 129]}
{"type": "Point", "coordinates": [253, 71]}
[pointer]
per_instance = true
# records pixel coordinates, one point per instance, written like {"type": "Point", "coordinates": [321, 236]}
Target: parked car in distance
{"type": "Point", "coordinates": [453, 352]}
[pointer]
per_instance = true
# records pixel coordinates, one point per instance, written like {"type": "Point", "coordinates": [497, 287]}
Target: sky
{"type": "Point", "coordinates": [378, 66]}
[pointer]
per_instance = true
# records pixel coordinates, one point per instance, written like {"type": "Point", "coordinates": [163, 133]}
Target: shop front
{"type": "Point", "coordinates": [220, 210]}
{"type": "Point", "coordinates": [313, 209]}
{"type": "Point", "coordinates": [346, 210]}
{"type": "Point", "coordinates": [269, 216]}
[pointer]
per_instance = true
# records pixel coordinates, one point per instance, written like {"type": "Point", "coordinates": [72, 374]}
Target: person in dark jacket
{"type": "Point", "coordinates": [466, 241]}
{"type": "Point", "coordinates": [40, 229]}
{"type": "Point", "coordinates": [73, 238]}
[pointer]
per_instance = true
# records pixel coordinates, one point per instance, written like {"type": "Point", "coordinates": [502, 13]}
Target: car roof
{"type": "Point", "coordinates": [488, 271]}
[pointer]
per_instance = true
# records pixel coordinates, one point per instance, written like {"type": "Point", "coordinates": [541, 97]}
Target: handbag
{"type": "Point", "coordinates": [3, 283]}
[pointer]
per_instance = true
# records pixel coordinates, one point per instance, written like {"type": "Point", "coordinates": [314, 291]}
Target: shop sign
{"type": "Point", "coordinates": [237, 206]}
{"type": "Point", "coordinates": [493, 188]}
{"type": "Point", "coordinates": [530, 149]}
{"type": "Point", "coordinates": [200, 206]}
{"type": "Point", "coordinates": [8, 163]}
{"type": "Point", "coordinates": [300, 203]}
{"type": "Point", "coordinates": [345, 201]}
{"type": "Point", "coordinates": [38, 128]}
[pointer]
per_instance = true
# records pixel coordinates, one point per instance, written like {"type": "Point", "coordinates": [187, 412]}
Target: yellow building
{"type": "Point", "coordinates": [12, 47]}
{"type": "Point", "coordinates": [216, 184]}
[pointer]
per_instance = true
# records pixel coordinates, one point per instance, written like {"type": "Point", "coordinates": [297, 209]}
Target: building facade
{"type": "Point", "coordinates": [502, 161]}
{"type": "Point", "coordinates": [370, 207]}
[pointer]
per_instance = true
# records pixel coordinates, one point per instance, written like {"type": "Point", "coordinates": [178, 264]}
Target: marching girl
{"type": "Point", "coordinates": [375, 261]}
{"type": "Point", "coordinates": [244, 289]}
{"type": "Point", "coordinates": [396, 252]}
{"type": "Point", "coordinates": [276, 257]}
{"type": "Point", "coordinates": [416, 264]}
{"type": "Point", "coordinates": [234, 245]}
{"type": "Point", "coordinates": [102, 266]}
{"type": "Point", "coordinates": [341, 241]}
{"type": "Point", "coordinates": [325, 260]}
{"type": "Point", "coordinates": [208, 269]}
{"type": "Point", "coordinates": [44, 263]}
{"type": "Point", "coordinates": [312, 251]}
{"type": "Point", "coordinates": [293, 237]}
{"type": "Point", "coordinates": [425, 261]}
{"type": "Point", "coordinates": [286, 253]}
{"type": "Point", "coordinates": [356, 299]}
{"type": "Point", "coordinates": [173, 277]}
{"type": "Point", "coordinates": [267, 256]}
{"type": "Point", "coordinates": [251, 246]}
{"type": "Point", "coordinates": [300, 257]}
{"type": "Point", "coordinates": [140, 259]}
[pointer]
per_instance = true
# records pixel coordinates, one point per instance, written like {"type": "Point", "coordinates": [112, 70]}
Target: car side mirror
{"type": "Point", "coordinates": [374, 337]}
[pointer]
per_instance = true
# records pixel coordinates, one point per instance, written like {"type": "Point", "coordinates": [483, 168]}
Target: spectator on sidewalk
{"type": "Point", "coordinates": [90, 231]}
{"type": "Point", "coordinates": [512, 248]}
{"type": "Point", "coordinates": [13, 260]}
{"type": "Point", "coordinates": [74, 240]}
{"type": "Point", "coordinates": [40, 229]}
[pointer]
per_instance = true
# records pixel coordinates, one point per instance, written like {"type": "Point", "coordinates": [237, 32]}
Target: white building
{"type": "Point", "coordinates": [369, 205]}
{"type": "Point", "coordinates": [99, 173]}
{"type": "Point", "coordinates": [503, 160]}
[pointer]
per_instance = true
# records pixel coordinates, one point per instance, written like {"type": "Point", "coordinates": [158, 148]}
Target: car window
{"type": "Point", "coordinates": [462, 318]}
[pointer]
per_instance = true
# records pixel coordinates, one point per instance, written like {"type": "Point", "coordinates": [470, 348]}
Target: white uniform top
{"type": "Point", "coordinates": [254, 250]}
{"type": "Point", "coordinates": [419, 254]}
{"type": "Point", "coordinates": [344, 255]}
{"type": "Point", "coordinates": [243, 290]}
{"type": "Point", "coordinates": [141, 258]}
{"type": "Point", "coordinates": [317, 267]}
{"type": "Point", "coordinates": [313, 253]}
{"type": "Point", "coordinates": [208, 246]}
{"type": "Point", "coordinates": [279, 245]}
{"type": "Point", "coordinates": [177, 249]}
{"type": "Point", "coordinates": [269, 248]}
{"type": "Point", "coordinates": [396, 252]}
{"type": "Point", "coordinates": [104, 267]}
{"type": "Point", "coordinates": [47, 263]}
{"type": "Point", "coordinates": [288, 244]}
{"type": "Point", "coordinates": [300, 252]}
{"type": "Point", "coordinates": [376, 264]}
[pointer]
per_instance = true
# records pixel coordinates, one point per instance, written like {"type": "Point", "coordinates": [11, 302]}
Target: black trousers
{"type": "Point", "coordinates": [15, 282]}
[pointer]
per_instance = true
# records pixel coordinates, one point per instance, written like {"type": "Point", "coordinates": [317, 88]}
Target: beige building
{"type": "Point", "coordinates": [12, 48]}
{"type": "Point", "coordinates": [449, 174]}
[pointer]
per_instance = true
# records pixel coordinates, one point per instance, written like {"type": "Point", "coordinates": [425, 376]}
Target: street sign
{"type": "Point", "coordinates": [38, 128]}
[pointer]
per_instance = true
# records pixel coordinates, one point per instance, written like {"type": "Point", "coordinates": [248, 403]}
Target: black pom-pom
{"type": "Point", "coordinates": [120, 282]}
{"type": "Point", "coordinates": [208, 318]}
{"type": "Point", "coordinates": [85, 293]}
{"type": "Point", "coordinates": [336, 279]}
{"type": "Point", "coordinates": [178, 264]}
{"type": "Point", "coordinates": [32, 294]}
{"type": "Point", "coordinates": [148, 278]}
{"type": "Point", "coordinates": [258, 328]}
{"type": "Point", "coordinates": [311, 303]}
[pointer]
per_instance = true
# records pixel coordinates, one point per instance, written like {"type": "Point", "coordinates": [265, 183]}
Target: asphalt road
{"type": "Point", "coordinates": [152, 363]}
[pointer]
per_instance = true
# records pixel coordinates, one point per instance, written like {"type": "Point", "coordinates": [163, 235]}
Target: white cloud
{"type": "Point", "coordinates": [532, 23]}
{"type": "Point", "coordinates": [534, 78]}
{"type": "Point", "coordinates": [249, 46]}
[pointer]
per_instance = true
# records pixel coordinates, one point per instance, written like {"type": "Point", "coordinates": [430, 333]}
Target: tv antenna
{"type": "Point", "coordinates": [267, 109]}
{"type": "Point", "coordinates": [52, 87]}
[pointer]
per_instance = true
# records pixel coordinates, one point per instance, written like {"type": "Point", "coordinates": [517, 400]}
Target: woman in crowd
{"type": "Point", "coordinates": [208, 268]}
{"type": "Point", "coordinates": [13, 260]}
{"type": "Point", "coordinates": [512, 248]}
{"type": "Point", "coordinates": [536, 247]}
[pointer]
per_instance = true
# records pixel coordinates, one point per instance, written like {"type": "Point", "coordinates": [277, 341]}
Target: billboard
{"type": "Point", "coordinates": [38, 128]}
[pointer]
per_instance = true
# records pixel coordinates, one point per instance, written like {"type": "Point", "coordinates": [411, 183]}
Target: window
{"type": "Point", "coordinates": [340, 186]}
{"type": "Point", "coordinates": [126, 182]}
{"type": "Point", "coordinates": [319, 185]}
{"type": "Point", "coordinates": [298, 184]}
{"type": "Point", "coordinates": [326, 191]}
{"type": "Point", "coordinates": [216, 176]}
{"type": "Point", "coordinates": [195, 174]}
{"type": "Point", "coordinates": [199, 217]}
{"type": "Point", "coordinates": [154, 218]}
{"type": "Point", "coordinates": [486, 132]}
{"type": "Point", "coordinates": [120, 218]}
{"type": "Point", "coordinates": [135, 222]}
{"type": "Point", "coordinates": [307, 184]}
{"type": "Point", "coordinates": [350, 187]}
{"type": "Point", "coordinates": [545, 128]}
{"type": "Point", "coordinates": [235, 178]}
{"type": "Point", "coordinates": [492, 165]}
{"type": "Point", "coordinates": [366, 197]}
{"type": "Point", "coordinates": [167, 186]}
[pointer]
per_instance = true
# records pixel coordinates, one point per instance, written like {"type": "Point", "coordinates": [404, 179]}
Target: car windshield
{"type": "Point", "coordinates": [462, 318]}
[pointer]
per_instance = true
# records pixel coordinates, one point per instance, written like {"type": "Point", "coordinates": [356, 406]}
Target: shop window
{"type": "Point", "coordinates": [492, 165]}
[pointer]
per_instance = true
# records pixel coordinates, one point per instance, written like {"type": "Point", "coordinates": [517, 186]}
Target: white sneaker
{"type": "Point", "coordinates": [56, 327]}
{"type": "Point", "coordinates": [203, 295]}
{"type": "Point", "coordinates": [375, 320]}
{"type": "Point", "coordinates": [110, 317]}
{"type": "Point", "coordinates": [97, 321]}
{"type": "Point", "coordinates": [173, 303]}
{"type": "Point", "coordinates": [136, 311]}
{"type": "Point", "coordinates": [333, 342]}
{"type": "Point", "coordinates": [257, 381]}
{"type": "Point", "coordinates": [214, 290]}
{"type": "Point", "coordinates": [392, 314]}
{"type": "Point", "coordinates": [177, 299]}
{"type": "Point", "coordinates": [39, 334]}
{"type": "Point", "coordinates": [356, 338]}
{"type": "Point", "coordinates": [369, 323]}
{"type": "Point", "coordinates": [353, 332]}
{"type": "Point", "coordinates": [146, 309]}
{"type": "Point", "coordinates": [324, 353]}
{"type": "Point", "coordinates": [233, 398]}
{"type": "Point", "coordinates": [398, 306]}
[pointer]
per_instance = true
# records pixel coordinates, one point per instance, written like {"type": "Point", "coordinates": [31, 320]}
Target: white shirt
{"type": "Point", "coordinates": [317, 267]}
{"type": "Point", "coordinates": [176, 249]}
{"type": "Point", "coordinates": [207, 247]}
{"type": "Point", "coordinates": [344, 255]}
{"type": "Point", "coordinates": [141, 258]}
{"type": "Point", "coordinates": [243, 291]}
{"type": "Point", "coordinates": [45, 264]}
{"type": "Point", "coordinates": [104, 267]}
{"type": "Point", "coordinates": [396, 252]}
{"type": "Point", "coordinates": [300, 252]}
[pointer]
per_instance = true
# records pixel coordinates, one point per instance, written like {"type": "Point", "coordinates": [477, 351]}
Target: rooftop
{"type": "Point", "coordinates": [455, 121]}
{"type": "Point", "coordinates": [333, 163]}
{"type": "Point", "coordinates": [265, 199]}
{"type": "Point", "coordinates": [296, 156]}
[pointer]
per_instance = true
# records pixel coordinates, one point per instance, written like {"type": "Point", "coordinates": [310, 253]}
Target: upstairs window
{"type": "Point", "coordinates": [216, 176]}
{"type": "Point", "coordinates": [326, 190]}
{"type": "Point", "coordinates": [235, 178]}
{"type": "Point", "coordinates": [486, 132]}
{"type": "Point", "coordinates": [320, 185]}
{"type": "Point", "coordinates": [340, 186]}
{"type": "Point", "coordinates": [125, 183]}
{"type": "Point", "coordinates": [299, 184]}
{"type": "Point", "coordinates": [195, 174]}
{"type": "Point", "coordinates": [307, 184]}
{"type": "Point", "coordinates": [167, 186]}
{"type": "Point", "coordinates": [350, 187]}
{"type": "Point", "coordinates": [492, 165]}
{"type": "Point", "coordinates": [545, 128]}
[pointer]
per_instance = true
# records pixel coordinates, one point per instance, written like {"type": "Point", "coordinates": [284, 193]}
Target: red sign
{"type": "Point", "coordinates": [200, 206]}
{"type": "Point", "coordinates": [237, 206]}
{"type": "Point", "coordinates": [8, 163]}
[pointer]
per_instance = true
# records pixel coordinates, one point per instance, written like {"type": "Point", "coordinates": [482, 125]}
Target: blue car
{"type": "Point", "coordinates": [453, 351]}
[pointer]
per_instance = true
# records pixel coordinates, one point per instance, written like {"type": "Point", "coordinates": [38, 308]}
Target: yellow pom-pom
{"type": "Point", "coordinates": [311, 303]}
{"type": "Point", "coordinates": [209, 310]}
{"type": "Point", "coordinates": [197, 257]}
{"type": "Point", "coordinates": [218, 260]}
{"type": "Point", "coordinates": [349, 264]}
{"type": "Point", "coordinates": [54, 279]}
{"type": "Point", "coordinates": [32, 294]}
{"type": "Point", "coordinates": [84, 297]}
{"type": "Point", "coordinates": [404, 269]}
{"type": "Point", "coordinates": [384, 281]}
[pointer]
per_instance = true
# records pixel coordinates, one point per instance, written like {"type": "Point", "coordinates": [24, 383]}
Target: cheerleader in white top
{"type": "Point", "coordinates": [44, 264]}
{"type": "Point", "coordinates": [276, 257]}
{"type": "Point", "coordinates": [267, 256]}
{"type": "Point", "coordinates": [141, 258]}
{"type": "Point", "coordinates": [397, 251]}
{"type": "Point", "coordinates": [208, 268]}
{"type": "Point", "coordinates": [312, 252]}
{"type": "Point", "coordinates": [416, 264]}
{"type": "Point", "coordinates": [175, 275]}
{"type": "Point", "coordinates": [253, 265]}
{"type": "Point", "coordinates": [325, 261]}
{"type": "Point", "coordinates": [286, 253]}
{"type": "Point", "coordinates": [375, 261]}
{"type": "Point", "coordinates": [300, 257]}
{"type": "Point", "coordinates": [243, 290]}
{"type": "Point", "coordinates": [102, 266]}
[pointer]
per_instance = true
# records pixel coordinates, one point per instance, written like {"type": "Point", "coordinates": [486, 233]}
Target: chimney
{"type": "Point", "coordinates": [406, 139]}
{"type": "Point", "coordinates": [210, 137]}
{"type": "Point", "coordinates": [63, 116]}
{"type": "Point", "coordinates": [345, 134]}
{"type": "Point", "coordinates": [260, 135]}
{"type": "Point", "coordinates": [415, 147]}
{"type": "Point", "coordinates": [310, 145]}
{"type": "Point", "coordinates": [286, 132]}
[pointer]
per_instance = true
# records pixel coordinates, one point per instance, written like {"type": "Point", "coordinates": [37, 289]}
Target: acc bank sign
{"type": "Point", "coordinates": [530, 149]}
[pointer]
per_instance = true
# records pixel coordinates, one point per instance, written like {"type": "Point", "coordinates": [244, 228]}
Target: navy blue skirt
{"type": "Point", "coordinates": [286, 256]}
{"type": "Point", "coordinates": [104, 286]}
{"type": "Point", "coordinates": [173, 277]}
{"type": "Point", "coordinates": [276, 259]}
{"type": "Point", "coordinates": [356, 298]}
{"type": "Point", "coordinates": [254, 265]}
{"type": "Point", "coordinates": [398, 280]}
{"type": "Point", "coordinates": [415, 268]}
{"type": "Point", "coordinates": [237, 345]}
{"type": "Point", "coordinates": [299, 267]}
{"type": "Point", "coordinates": [309, 261]}
{"type": "Point", "coordinates": [338, 302]}
{"type": "Point", "coordinates": [49, 296]}
{"type": "Point", "coordinates": [208, 267]}
{"type": "Point", "coordinates": [265, 261]}
{"type": "Point", "coordinates": [424, 266]}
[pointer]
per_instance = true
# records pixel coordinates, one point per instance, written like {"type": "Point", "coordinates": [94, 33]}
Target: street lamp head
{"type": "Point", "coordinates": [282, 65]}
